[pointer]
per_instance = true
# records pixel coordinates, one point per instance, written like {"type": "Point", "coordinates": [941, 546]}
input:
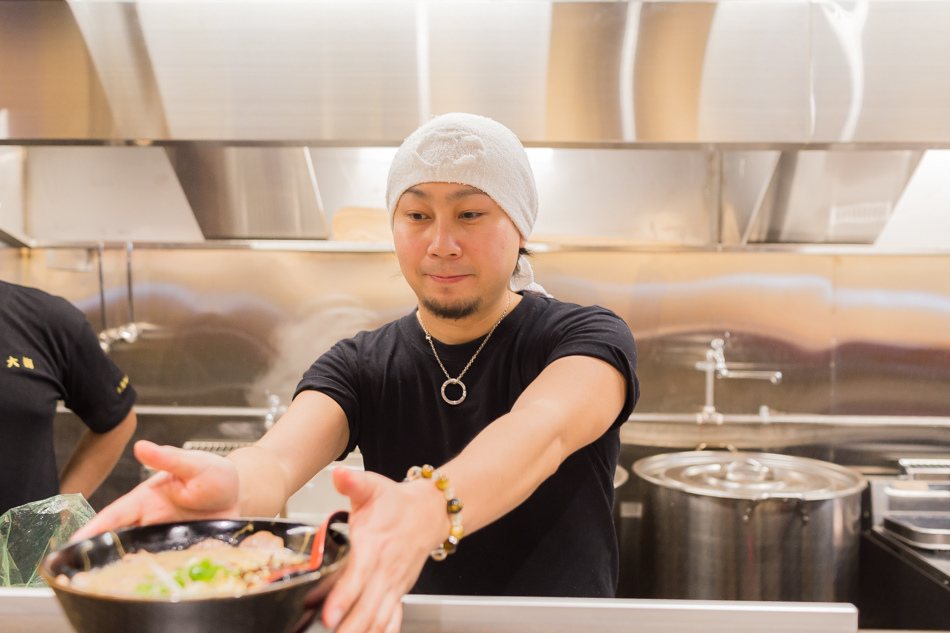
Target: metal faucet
{"type": "Point", "coordinates": [715, 367]}
{"type": "Point", "coordinates": [128, 332]}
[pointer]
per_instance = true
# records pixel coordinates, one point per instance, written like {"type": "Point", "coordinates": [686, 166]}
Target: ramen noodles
{"type": "Point", "coordinates": [208, 569]}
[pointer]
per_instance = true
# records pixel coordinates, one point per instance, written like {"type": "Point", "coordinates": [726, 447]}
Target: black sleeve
{"type": "Point", "coordinates": [95, 388]}
{"type": "Point", "coordinates": [336, 374]}
{"type": "Point", "coordinates": [601, 334]}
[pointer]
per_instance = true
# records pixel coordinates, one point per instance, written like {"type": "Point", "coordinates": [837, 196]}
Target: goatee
{"type": "Point", "coordinates": [453, 312]}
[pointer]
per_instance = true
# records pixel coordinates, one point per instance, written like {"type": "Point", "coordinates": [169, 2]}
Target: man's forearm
{"type": "Point", "coordinates": [501, 467]}
{"type": "Point", "coordinates": [310, 434]}
{"type": "Point", "coordinates": [263, 488]}
{"type": "Point", "coordinates": [94, 457]}
{"type": "Point", "coordinates": [570, 405]}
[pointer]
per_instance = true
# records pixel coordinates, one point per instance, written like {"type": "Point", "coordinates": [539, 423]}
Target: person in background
{"type": "Point", "coordinates": [49, 352]}
{"type": "Point", "coordinates": [515, 397]}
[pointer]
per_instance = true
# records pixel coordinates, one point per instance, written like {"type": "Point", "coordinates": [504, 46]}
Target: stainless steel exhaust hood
{"type": "Point", "coordinates": [792, 71]}
{"type": "Point", "coordinates": [697, 124]}
{"type": "Point", "coordinates": [251, 192]}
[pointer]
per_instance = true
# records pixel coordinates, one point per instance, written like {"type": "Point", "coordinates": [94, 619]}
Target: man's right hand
{"type": "Point", "coordinates": [189, 485]}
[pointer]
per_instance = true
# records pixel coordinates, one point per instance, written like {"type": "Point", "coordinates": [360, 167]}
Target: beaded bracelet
{"type": "Point", "coordinates": [453, 506]}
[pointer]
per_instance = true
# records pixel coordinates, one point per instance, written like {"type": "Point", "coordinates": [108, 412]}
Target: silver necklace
{"type": "Point", "coordinates": [458, 381]}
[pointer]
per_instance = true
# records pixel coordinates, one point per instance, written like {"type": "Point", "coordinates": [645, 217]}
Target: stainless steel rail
{"type": "Point", "coordinates": [453, 614]}
{"type": "Point", "coordinates": [764, 418]}
{"type": "Point", "coordinates": [798, 419]}
{"type": "Point", "coordinates": [578, 245]}
{"type": "Point", "coordinates": [172, 410]}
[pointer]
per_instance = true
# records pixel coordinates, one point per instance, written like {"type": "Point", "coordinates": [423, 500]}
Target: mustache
{"type": "Point", "coordinates": [446, 273]}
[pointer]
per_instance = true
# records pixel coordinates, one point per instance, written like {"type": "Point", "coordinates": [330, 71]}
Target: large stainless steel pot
{"type": "Point", "coordinates": [750, 526]}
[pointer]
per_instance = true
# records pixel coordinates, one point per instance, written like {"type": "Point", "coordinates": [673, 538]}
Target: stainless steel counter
{"type": "Point", "coordinates": [31, 611]}
{"type": "Point", "coordinates": [430, 614]}
{"type": "Point", "coordinates": [37, 611]}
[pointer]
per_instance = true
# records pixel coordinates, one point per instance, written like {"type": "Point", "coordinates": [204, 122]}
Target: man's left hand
{"type": "Point", "coordinates": [393, 527]}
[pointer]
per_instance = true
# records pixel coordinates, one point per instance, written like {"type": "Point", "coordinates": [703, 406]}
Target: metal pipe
{"type": "Point", "coordinates": [128, 277]}
{"type": "Point", "coordinates": [774, 377]}
{"type": "Point", "coordinates": [102, 286]}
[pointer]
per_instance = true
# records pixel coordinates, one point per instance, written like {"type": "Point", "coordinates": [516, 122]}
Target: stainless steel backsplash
{"type": "Point", "coordinates": [851, 334]}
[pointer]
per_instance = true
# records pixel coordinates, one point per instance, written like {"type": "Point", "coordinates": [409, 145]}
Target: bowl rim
{"type": "Point", "coordinates": [280, 585]}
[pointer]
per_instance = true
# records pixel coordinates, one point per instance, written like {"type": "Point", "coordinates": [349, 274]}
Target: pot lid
{"type": "Point", "coordinates": [741, 475]}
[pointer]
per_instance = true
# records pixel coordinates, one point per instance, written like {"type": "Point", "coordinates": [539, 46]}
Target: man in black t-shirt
{"type": "Point", "coordinates": [49, 352]}
{"type": "Point", "coordinates": [515, 397]}
{"type": "Point", "coordinates": [398, 423]}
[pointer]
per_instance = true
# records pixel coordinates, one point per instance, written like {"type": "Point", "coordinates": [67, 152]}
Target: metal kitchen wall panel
{"type": "Point", "coordinates": [49, 87]}
{"type": "Point", "coordinates": [279, 70]}
{"type": "Point", "coordinates": [590, 72]}
{"type": "Point", "coordinates": [250, 192]}
{"type": "Point", "coordinates": [95, 193]}
{"type": "Point", "coordinates": [657, 197]}
{"type": "Point", "coordinates": [485, 57]}
{"type": "Point", "coordinates": [654, 197]}
{"type": "Point", "coordinates": [115, 41]}
{"type": "Point", "coordinates": [920, 221]}
{"type": "Point", "coordinates": [892, 335]}
{"type": "Point", "coordinates": [773, 310]}
{"type": "Point", "coordinates": [819, 196]}
{"type": "Point", "coordinates": [556, 72]}
{"type": "Point", "coordinates": [879, 71]}
{"type": "Point", "coordinates": [229, 327]}
{"type": "Point", "coordinates": [12, 219]}
{"type": "Point", "coordinates": [225, 331]}
{"type": "Point", "coordinates": [746, 179]}
{"type": "Point", "coordinates": [755, 72]}
{"type": "Point", "coordinates": [353, 180]}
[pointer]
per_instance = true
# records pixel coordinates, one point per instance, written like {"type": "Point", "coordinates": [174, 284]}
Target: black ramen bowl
{"type": "Point", "coordinates": [287, 605]}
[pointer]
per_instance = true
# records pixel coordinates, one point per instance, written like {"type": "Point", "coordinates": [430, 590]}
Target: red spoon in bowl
{"type": "Point", "coordinates": [316, 550]}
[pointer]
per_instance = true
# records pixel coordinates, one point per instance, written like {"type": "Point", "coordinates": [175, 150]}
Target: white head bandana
{"type": "Point", "coordinates": [473, 150]}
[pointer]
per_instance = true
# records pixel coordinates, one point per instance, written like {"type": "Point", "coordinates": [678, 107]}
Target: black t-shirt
{"type": "Point", "coordinates": [48, 352]}
{"type": "Point", "coordinates": [560, 541]}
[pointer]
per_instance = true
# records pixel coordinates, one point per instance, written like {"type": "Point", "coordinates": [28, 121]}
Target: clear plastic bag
{"type": "Point", "coordinates": [30, 531]}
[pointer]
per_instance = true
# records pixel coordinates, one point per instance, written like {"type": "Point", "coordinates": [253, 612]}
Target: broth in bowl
{"type": "Point", "coordinates": [170, 578]}
{"type": "Point", "coordinates": [208, 569]}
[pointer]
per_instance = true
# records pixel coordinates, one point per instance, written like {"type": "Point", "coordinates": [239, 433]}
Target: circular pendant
{"type": "Point", "coordinates": [454, 381]}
